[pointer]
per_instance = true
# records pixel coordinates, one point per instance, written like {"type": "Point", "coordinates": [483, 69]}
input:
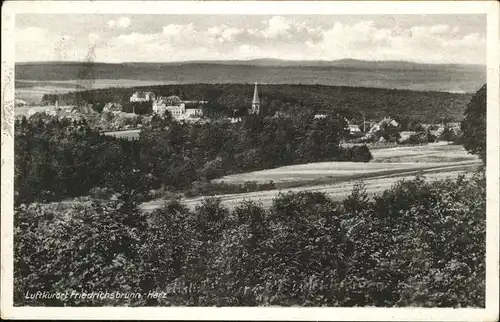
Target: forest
{"type": "Point", "coordinates": [351, 102]}
{"type": "Point", "coordinates": [305, 251]}
{"type": "Point", "coordinates": [58, 158]}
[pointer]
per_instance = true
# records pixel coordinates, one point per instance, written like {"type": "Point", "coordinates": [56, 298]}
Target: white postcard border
{"type": "Point", "coordinates": [491, 8]}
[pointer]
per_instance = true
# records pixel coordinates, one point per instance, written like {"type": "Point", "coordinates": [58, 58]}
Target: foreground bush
{"type": "Point", "coordinates": [417, 244]}
{"type": "Point", "coordinates": [92, 247]}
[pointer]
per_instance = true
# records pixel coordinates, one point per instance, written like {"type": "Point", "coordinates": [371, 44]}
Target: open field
{"type": "Point", "coordinates": [338, 178]}
{"type": "Point", "coordinates": [385, 162]}
{"type": "Point", "coordinates": [126, 134]}
{"type": "Point", "coordinates": [335, 191]}
{"type": "Point", "coordinates": [434, 152]}
{"type": "Point", "coordinates": [335, 172]}
{"type": "Point", "coordinates": [32, 91]}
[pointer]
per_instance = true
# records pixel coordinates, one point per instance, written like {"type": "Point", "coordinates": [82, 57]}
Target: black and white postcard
{"type": "Point", "coordinates": [250, 160]}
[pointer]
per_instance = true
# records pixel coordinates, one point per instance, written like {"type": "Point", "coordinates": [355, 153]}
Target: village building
{"type": "Point", "coordinates": [193, 112]}
{"type": "Point", "coordinates": [140, 97]}
{"type": "Point", "coordinates": [19, 102]}
{"type": "Point", "coordinates": [354, 129]}
{"type": "Point", "coordinates": [385, 121]}
{"type": "Point", "coordinates": [405, 135]}
{"type": "Point", "coordinates": [280, 114]}
{"type": "Point", "coordinates": [193, 108]}
{"type": "Point", "coordinates": [112, 107]}
{"type": "Point", "coordinates": [454, 127]}
{"type": "Point", "coordinates": [235, 119]}
{"type": "Point", "coordinates": [195, 102]}
{"type": "Point", "coordinates": [173, 104]}
{"type": "Point", "coordinates": [176, 107]}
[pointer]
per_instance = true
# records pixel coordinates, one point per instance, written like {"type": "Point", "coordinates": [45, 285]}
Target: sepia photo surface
{"type": "Point", "coordinates": [244, 160]}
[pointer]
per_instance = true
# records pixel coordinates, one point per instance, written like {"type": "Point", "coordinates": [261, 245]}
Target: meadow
{"type": "Point", "coordinates": [386, 161]}
{"type": "Point", "coordinates": [336, 179]}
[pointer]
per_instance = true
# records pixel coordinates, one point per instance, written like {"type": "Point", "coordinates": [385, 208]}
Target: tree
{"type": "Point", "coordinates": [107, 238]}
{"type": "Point", "coordinates": [389, 132]}
{"type": "Point", "coordinates": [173, 100]}
{"type": "Point", "coordinates": [474, 125]}
{"type": "Point", "coordinates": [98, 107]}
{"type": "Point", "coordinates": [448, 135]}
{"type": "Point", "coordinates": [161, 121]}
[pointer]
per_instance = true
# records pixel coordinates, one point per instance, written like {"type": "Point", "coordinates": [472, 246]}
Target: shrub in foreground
{"type": "Point", "coordinates": [416, 244]}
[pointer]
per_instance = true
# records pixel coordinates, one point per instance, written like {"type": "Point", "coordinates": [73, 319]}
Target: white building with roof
{"type": "Point", "coordinates": [176, 107]}
{"type": "Point", "coordinates": [354, 129]}
{"type": "Point", "coordinates": [142, 97]}
{"type": "Point", "coordinates": [385, 121]}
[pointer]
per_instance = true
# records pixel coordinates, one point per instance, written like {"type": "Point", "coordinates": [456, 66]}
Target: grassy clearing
{"type": "Point", "coordinates": [337, 191]}
{"type": "Point", "coordinates": [330, 172]}
{"type": "Point", "coordinates": [127, 134]}
{"type": "Point", "coordinates": [387, 162]}
{"type": "Point", "coordinates": [337, 179]}
{"type": "Point", "coordinates": [435, 152]}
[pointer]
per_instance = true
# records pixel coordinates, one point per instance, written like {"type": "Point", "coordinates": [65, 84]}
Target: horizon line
{"type": "Point", "coordinates": [249, 60]}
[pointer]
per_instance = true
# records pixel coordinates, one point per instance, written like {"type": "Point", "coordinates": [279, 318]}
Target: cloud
{"type": "Point", "coordinates": [286, 28]}
{"type": "Point", "coordinates": [275, 37]}
{"type": "Point", "coordinates": [277, 26]}
{"type": "Point", "coordinates": [439, 29]}
{"type": "Point", "coordinates": [179, 31]}
{"type": "Point", "coordinates": [132, 39]}
{"type": "Point", "coordinates": [280, 37]}
{"type": "Point", "coordinates": [94, 38]}
{"type": "Point", "coordinates": [224, 33]}
{"type": "Point", "coordinates": [430, 43]}
{"type": "Point", "coordinates": [122, 23]}
{"type": "Point", "coordinates": [38, 44]}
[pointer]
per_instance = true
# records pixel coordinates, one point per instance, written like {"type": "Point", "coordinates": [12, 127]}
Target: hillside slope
{"type": "Point", "coordinates": [390, 74]}
{"type": "Point", "coordinates": [353, 102]}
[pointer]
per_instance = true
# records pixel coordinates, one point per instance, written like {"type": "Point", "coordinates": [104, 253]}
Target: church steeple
{"type": "Point", "coordinates": [255, 101]}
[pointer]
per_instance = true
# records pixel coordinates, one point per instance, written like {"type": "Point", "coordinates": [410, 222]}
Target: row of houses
{"type": "Point", "coordinates": [370, 129]}
{"type": "Point", "coordinates": [354, 129]}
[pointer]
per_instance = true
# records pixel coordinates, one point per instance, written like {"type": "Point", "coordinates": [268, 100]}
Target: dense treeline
{"type": "Point", "coordinates": [474, 124]}
{"type": "Point", "coordinates": [352, 102]}
{"type": "Point", "coordinates": [417, 244]}
{"type": "Point", "coordinates": [57, 159]}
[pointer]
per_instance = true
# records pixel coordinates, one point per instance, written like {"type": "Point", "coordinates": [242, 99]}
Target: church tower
{"type": "Point", "coordinates": [255, 102]}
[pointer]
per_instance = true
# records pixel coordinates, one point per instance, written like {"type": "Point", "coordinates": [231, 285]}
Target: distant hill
{"type": "Point", "coordinates": [345, 63]}
{"type": "Point", "coordinates": [346, 72]}
{"type": "Point", "coordinates": [271, 62]}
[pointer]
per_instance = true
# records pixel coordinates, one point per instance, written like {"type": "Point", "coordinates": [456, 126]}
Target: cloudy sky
{"type": "Point", "coordinates": [162, 38]}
